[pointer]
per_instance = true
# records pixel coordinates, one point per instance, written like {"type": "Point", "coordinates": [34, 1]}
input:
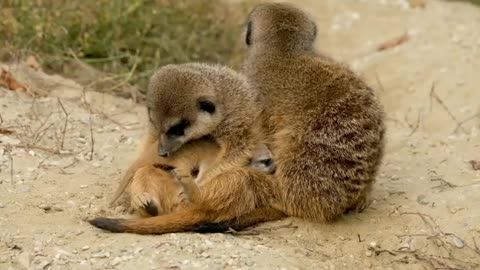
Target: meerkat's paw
{"type": "Point", "coordinates": [146, 203]}
{"type": "Point", "coordinates": [362, 204]}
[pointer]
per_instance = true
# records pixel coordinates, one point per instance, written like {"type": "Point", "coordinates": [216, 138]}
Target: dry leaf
{"type": "Point", "coordinates": [33, 63]}
{"type": "Point", "coordinates": [6, 78]}
{"type": "Point", "coordinates": [6, 131]}
{"type": "Point", "coordinates": [393, 43]}
{"type": "Point", "coordinates": [417, 3]}
{"type": "Point", "coordinates": [475, 164]}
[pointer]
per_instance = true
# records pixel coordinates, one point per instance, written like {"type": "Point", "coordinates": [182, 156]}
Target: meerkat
{"type": "Point", "coordinates": [323, 123]}
{"type": "Point", "coordinates": [156, 189]}
{"type": "Point", "coordinates": [189, 101]}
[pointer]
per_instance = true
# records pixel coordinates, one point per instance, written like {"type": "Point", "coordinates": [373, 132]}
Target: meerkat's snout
{"type": "Point", "coordinates": [168, 146]}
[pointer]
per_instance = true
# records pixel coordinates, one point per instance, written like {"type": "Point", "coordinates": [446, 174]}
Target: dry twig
{"type": "Point", "coordinates": [393, 42]}
{"type": "Point", "coordinates": [92, 140]}
{"type": "Point", "coordinates": [433, 95]}
{"type": "Point", "coordinates": [65, 124]}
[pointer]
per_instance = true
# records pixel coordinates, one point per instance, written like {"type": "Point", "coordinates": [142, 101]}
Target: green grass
{"type": "Point", "coordinates": [123, 37]}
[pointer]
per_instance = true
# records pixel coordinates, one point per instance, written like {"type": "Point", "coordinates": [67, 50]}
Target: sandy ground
{"type": "Point", "coordinates": [425, 210]}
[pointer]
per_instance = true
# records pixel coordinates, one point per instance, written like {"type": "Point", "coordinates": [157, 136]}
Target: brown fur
{"type": "Point", "coordinates": [155, 190]}
{"type": "Point", "coordinates": [226, 190]}
{"type": "Point", "coordinates": [323, 124]}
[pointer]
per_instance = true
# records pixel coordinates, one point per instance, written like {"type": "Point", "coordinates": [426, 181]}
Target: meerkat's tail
{"type": "Point", "coordinates": [179, 221]}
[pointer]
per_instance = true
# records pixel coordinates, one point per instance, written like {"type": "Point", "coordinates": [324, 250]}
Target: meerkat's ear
{"type": "Point", "coordinates": [206, 104]}
{"type": "Point", "coordinates": [248, 34]}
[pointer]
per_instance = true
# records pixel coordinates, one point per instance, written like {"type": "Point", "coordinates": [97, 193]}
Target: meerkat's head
{"type": "Point", "coordinates": [182, 106]}
{"type": "Point", "coordinates": [280, 26]}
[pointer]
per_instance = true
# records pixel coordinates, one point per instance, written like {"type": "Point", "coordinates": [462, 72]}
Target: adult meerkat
{"type": "Point", "coordinates": [323, 123]}
{"type": "Point", "coordinates": [189, 101]}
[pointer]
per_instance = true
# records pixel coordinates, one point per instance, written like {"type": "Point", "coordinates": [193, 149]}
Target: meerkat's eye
{"type": "Point", "coordinates": [248, 35]}
{"type": "Point", "coordinates": [206, 106]}
{"type": "Point", "coordinates": [178, 129]}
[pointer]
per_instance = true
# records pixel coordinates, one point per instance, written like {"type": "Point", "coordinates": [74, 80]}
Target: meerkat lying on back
{"type": "Point", "coordinates": [156, 189]}
{"type": "Point", "coordinates": [187, 102]}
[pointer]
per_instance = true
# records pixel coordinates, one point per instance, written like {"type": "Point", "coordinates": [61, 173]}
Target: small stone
{"type": "Point", "coordinates": [44, 265]}
{"type": "Point", "coordinates": [100, 255]}
{"type": "Point", "coordinates": [2, 205]}
{"type": "Point", "coordinates": [71, 203]}
{"type": "Point", "coordinates": [24, 189]}
{"type": "Point", "coordinates": [45, 207]}
{"type": "Point", "coordinates": [57, 208]}
{"type": "Point", "coordinates": [85, 248]}
{"type": "Point", "coordinates": [368, 253]}
{"type": "Point", "coordinates": [421, 199]}
{"type": "Point", "coordinates": [116, 261]}
{"type": "Point", "coordinates": [209, 243]}
{"type": "Point", "coordinates": [373, 244]}
{"type": "Point", "coordinates": [83, 186]}
{"type": "Point", "coordinates": [459, 243]}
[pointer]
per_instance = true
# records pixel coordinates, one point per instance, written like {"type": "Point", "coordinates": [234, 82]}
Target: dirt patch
{"type": "Point", "coordinates": [425, 209]}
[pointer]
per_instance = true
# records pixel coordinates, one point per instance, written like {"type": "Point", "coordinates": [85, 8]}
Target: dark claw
{"type": "Point", "coordinates": [151, 208]}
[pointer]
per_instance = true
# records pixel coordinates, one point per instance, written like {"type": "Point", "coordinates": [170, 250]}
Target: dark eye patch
{"type": "Point", "coordinates": [207, 106]}
{"type": "Point", "coordinates": [178, 129]}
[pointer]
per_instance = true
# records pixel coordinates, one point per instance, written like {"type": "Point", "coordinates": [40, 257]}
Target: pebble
{"type": "Point", "coordinates": [45, 207]}
{"type": "Point", "coordinates": [2, 205]}
{"type": "Point", "coordinates": [83, 186]}
{"type": "Point", "coordinates": [100, 255]}
{"type": "Point", "coordinates": [85, 248]}
{"type": "Point", "coordinates": [368, 253]}
{"type": "Point", "coordinates": [116, 261]}
{"type": "Point", "coordinates": [422, 199]}
{"type": "Point", "coordinates": [57, 208]}
{"type": "Point", "coordinates": [373, 244]}
{"type": "Point", "coordinates": [459, 243]}
{"type": "Point", "coordinates": [44, 264]}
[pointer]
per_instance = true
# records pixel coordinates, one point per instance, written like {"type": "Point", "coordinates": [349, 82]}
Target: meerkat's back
{"type": "Point", "coordinates": [324, 125]}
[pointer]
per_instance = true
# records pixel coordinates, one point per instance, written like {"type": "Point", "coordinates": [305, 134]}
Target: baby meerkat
{"type": "Point", "coordinates": [323, 123]}
{"type": "Point", "coordinates": [190, 101]}
{"type": "Point", "coordinates": [157, 188]}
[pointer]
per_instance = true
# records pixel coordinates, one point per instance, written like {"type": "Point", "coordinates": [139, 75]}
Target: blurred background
{"type": "Point", "coordinates": [125, 41]}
